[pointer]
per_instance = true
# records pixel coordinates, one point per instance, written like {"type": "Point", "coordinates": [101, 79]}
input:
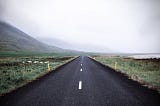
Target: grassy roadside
{"type": "Point", "coordinates": [18, 71]}
{"type": "Point", "coordinates": [146, 71]}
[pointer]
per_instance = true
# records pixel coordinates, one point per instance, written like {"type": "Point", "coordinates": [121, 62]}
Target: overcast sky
{"type": "Point", "coordinates": [88, 25]}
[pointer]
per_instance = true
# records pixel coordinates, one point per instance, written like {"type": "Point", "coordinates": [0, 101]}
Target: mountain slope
{"type": "Point", "coordinates": [12, 39]}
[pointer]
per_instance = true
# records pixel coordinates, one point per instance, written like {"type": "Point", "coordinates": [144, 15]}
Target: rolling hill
{"type": "Point", "coordinates": [12, 39]}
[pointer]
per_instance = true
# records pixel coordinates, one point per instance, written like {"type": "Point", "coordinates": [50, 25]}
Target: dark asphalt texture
{"type": "Point", "coordinates": [101, 86]}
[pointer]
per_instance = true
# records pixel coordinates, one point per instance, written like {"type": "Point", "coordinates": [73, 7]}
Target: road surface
{"type": "Point", "coordinates": [82, 82]}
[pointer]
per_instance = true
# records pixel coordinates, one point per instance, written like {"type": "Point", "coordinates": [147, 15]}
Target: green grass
{"type": "Point", "coordinates": [17, 71]}
{"type": "Point", "coordinates": [23, 54]}
{"type": "Point", "coordinates": [146, 70]}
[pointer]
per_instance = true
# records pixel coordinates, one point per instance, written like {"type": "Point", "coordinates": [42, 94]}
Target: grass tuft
{"type": "Point", "coordinates": [146, 70]}
{"type": "Point", "coordinates": [17, 71]}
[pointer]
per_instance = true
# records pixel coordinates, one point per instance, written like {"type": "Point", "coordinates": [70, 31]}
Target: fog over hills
{"type": "Point", "coordinates": [12, 39]}
{"type": "Point", "coordinates": [109, 26]}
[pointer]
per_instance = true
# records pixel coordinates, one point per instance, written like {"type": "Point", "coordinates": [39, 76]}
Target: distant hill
{"type": "Point", "coordinates": [12, 39]}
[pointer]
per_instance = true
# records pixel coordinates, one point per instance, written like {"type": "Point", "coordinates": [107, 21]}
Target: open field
{"type": "Point", "coordinates": [17, 71]}
{"type": "Point", "coordinates": [146, 71]}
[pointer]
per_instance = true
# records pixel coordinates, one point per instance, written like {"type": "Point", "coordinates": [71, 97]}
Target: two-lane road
{"type": "Point", "coordinates": [82, 82]}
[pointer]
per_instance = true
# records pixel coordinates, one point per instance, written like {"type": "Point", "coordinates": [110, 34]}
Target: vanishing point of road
{"type": "Point", "coordinates": [82, 82]}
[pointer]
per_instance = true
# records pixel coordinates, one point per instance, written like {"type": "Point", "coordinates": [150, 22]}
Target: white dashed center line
{"type": "Point", "coordinates": [81, 69]}
{"type": "Point", "coordinates": [80, 85]}
{"type": "Point", "coordinates": [81, 64]}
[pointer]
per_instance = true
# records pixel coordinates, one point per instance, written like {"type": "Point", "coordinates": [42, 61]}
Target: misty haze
{"type": "Point", "coordinates": [79, 52]}
{"type": "Point", "coordinates": [88, 25]}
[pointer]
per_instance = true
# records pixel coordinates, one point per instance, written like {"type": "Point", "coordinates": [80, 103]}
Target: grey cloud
{"type": "Point", "coordinates": [90, 25]}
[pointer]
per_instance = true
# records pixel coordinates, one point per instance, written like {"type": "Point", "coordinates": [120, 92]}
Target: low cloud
{"type": "Point", "coordinates": [88, 25]}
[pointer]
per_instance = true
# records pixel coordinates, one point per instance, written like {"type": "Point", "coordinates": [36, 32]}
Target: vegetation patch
{"type": "Point", "coordinates": [146, 71]}
{"type": "Point", "coordinates": [17, 71]}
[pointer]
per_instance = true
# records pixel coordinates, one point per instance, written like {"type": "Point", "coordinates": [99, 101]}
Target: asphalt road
{"type": "Point", "coordinates": [89, 84]}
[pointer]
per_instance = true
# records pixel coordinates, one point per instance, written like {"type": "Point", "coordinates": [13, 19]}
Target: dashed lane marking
{"type": "Point", "coordinates": [80, 85]}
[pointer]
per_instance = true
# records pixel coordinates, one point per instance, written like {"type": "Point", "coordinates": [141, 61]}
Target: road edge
{"type": "Point", "coordinates": [39, 77]}
{"type": "Point", "coordinates": [141, 82]}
